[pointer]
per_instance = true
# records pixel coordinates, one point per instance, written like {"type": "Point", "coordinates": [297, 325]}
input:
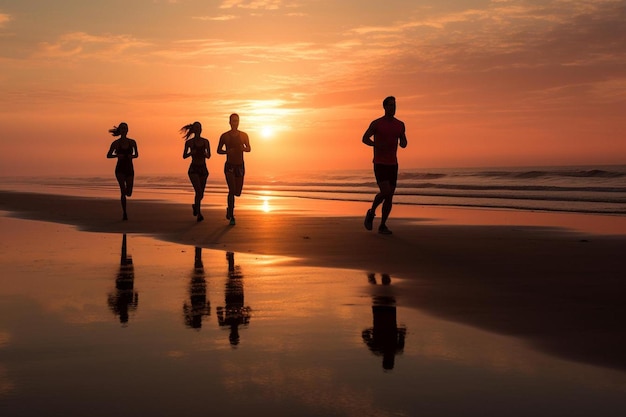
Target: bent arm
{"type": "Point", "coordinates": [367, 136]}
{"type": "Point", "coordinates": [246, 144]}
{"type": "Point", "coordinates": [186, 151]}
{"type": "Point", "coordinates": [221, 146]}
{"type": "Point", "coordinates": [135, 153]}
{"type": "Point", "coordinates": [111, 153]}
{"type": "Point", "coordinates": [207, 150]}
{"type": "Point", "coordinates": [403, 141]}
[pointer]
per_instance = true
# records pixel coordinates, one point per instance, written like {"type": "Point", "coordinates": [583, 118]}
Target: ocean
{"type": "Point", "coordinates": [576, 189]}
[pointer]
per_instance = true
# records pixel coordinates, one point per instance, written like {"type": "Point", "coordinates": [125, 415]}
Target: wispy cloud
{"type": "Point", "coordinates": [542, 46]}
{"type": "Point", "coordinates": [85, 45]}
{"type": "Point", "coordinates": [508, 33]}
{"type": "Point", "coordinates": [237, 52]}
{"type": "Point", "coordinates": [225, 17]}
{"type": "Point", "coordinates": [253, 8]}
{"type": "Point", "coordinates": [4, 18]}
{"type": "Point", "coordinates": [255, 4]}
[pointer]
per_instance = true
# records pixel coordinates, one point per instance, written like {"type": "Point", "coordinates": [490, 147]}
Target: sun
{"type": "Point", "coordinates": [267, 132]}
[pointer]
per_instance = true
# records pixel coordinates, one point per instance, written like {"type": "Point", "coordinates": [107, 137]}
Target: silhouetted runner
{"type": "Point", "coordinates": [125, 150]}
{"type": "Point", "coordinates": [199, 149]}
{"type": "Point", "coordinates": [388, 132]}
{"type": "Point", "coordinates": [233, 144]}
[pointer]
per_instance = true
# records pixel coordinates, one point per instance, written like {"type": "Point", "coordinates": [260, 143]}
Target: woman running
{"type": "Point", "coordinates": [199, 150]}
{"type": "Point", "coordinates": [125, 150]}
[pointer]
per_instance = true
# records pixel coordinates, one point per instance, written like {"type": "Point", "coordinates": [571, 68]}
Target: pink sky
{"type": "Point", "coordinates": [478, 83]}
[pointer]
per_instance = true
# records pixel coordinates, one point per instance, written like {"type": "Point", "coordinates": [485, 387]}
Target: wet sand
{"type": "Point", "coordinates": [520, 274]}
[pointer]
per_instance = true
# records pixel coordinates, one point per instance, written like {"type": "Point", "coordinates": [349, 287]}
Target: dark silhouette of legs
{"type": "Point", "coordinates": [231, 206]}
{"type": "Point", "coordinates": [235, 185]}
{"type": "Point", "coordinates": [124, 215]}
{"type": "Point", "coordinates": [199, 184]}
{"type": "Point", "coordinates": [385, 196]}
{"type": "Point", "coordinates": [126, 189]}
{"type": "Point", "coordinates": [130, 181]}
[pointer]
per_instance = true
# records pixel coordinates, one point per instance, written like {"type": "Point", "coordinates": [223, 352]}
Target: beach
{"type": "Point", "coordinates": [551, 281]}
{"type": "Point", "coordinates": [187, 191]}
{"type": "Point", "coordinates": [561, 288]}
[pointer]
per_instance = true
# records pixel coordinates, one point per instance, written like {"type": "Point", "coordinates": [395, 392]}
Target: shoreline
{"type": "Point", "coordinates": [557, 288]}
{"type": "Point", "coordinates": [589, 190]}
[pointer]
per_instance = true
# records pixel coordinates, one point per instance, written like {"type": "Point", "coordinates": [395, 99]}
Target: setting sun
{"type": "Point", "coordinates": [267, 132]}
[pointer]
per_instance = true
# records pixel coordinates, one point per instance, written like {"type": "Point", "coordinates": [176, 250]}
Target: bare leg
{"type": "Point", "coordinates": [231, 182]}
{"type": "Point", "coordinates": [385, 196]}
{"type": "Point", "coordinates": [199, 184]}
{"type": "Point", "coordinates": [121, 180]}
{"type": "Point", "coordinates": [379, 198]}
{"type": "Point", "coordinates": [387, 204]}
{"type": "Point", "coordinates": [124, 215]}
{"type": "Point", "coordinates": [231, 206]}
{"type": "Point", "coordinates": [238, 186]}
{"type": "Point", "coordinates": [130, 181]}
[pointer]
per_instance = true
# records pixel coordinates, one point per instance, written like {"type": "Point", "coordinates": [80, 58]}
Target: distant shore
{"type": "Point", "coordinates": [560, 289]}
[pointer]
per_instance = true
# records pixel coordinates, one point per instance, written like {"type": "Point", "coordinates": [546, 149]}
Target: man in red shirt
{"type": "Point", "coordinates": [388, 133]}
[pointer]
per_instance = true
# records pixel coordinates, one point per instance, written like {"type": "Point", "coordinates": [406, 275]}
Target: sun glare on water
{"type": "Point", "coordinates": [265, 204]}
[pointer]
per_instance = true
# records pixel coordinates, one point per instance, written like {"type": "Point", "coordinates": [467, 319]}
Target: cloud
{"type": "Point", "coordinates": [507, 34]}
{"type": "Point", "coordinates": [4, 18]}
{"type": "Point", "coordinates": [84, 45]}
{"type": "Point", "coordinates": [256, 8]}
{"type": "Point", "coordinates": [238, 52]}
{"type": "Point", "coordinates": [510, 50]}
{"type": "Point", "coordinates": [253, 4]}
{"type": "Point", "coordinates": [225, 17]}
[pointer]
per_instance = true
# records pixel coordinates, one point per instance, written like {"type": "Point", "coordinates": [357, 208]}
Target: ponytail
{"type": "Point", "coordinates": [117, 130]}
{"type": "Point", "coordinates": [190, 129]}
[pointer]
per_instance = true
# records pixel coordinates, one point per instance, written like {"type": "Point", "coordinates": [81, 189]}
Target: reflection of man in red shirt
{"type": "Point", "coordinates": [388, 132]}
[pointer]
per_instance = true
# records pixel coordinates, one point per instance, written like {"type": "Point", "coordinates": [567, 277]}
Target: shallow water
{"type": "Point", "coordinates": [162, 329]}
{"type": "Point", "coordinates": [572, 189]}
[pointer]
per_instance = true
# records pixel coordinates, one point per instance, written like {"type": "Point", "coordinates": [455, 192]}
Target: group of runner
{"type": "Point", "coordinates": [233, 144]}
{"type": "Point", "coordinates": [383, 134]}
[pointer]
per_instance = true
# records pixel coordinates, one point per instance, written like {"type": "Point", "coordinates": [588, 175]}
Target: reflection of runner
{"type": "Point", "coordinates": [124, 299]}
{"type": "Point", "coordinates": [234, 313]}
{"type": "Point", "coordinates": [385, 338]}
{"type": "Point", "coordinates": [198, 305]}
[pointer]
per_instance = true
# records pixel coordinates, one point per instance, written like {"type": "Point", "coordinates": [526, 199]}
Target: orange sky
{"type": "Point", "coordinates": [478, 83]}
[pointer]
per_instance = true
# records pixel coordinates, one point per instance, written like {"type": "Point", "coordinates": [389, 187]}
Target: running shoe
{"type": "Point", "coordinates": [369, 219]}
{"type": "Point", "coordinates": [383, 230]}
{"type": "Point", "coordinates": [232, 221]}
